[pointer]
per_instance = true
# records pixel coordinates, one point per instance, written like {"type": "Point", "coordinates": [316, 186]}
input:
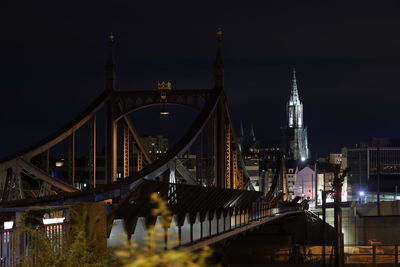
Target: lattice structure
{"type": "Point", "coordinates": [217, 162]}
{"type": "Point", "coordinates": [228, 156]}
{"type": "Point", "coordinates": [126, 152]}
{"type": "Point", "coordinates": [139, 160]}
{"type": "Point", "coordinates": [235, 167]}
{"type": "Point", "coordinates": [71, 159]}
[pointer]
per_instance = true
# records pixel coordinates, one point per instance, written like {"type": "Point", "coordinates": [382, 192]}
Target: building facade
{"type": "Point", "coordinates": [295, 140]}
{"type": "Point", "coordinates": [261, 158]}
{"type": "Point", "coordinates": [369, 160]}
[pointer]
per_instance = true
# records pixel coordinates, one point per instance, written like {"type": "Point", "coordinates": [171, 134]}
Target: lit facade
{"type": "Point", "coordinates": [295, 141]}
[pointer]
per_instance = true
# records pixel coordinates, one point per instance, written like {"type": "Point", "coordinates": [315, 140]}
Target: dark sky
{"type": "Point", "coordinates": [346, 54]}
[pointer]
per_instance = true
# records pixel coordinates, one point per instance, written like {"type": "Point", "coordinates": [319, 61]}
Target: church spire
{"type": "Point", "coordinates": [110, 65]}
{"type": "Point", "coordinates": [241, 129]}
{"type": "Point", "coordinates": [218, 64]}
{"type": "Point", "coordinates": [294, 96]}
{"type": "Point", "coordinates": [252, 136]}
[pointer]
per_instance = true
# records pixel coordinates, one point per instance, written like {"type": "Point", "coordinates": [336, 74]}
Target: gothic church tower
{"type": "Point", "coordinates": [295, 142]}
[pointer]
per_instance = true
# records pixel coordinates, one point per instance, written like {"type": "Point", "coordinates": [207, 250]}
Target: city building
{"type": "Point", "coordinates": [295, 143]}
{"type": "Point", "coordinates": [155, 144]}
{"type": "Point", "coordinates": [260, 157]}
{"type": "Point", "coordinates": [369, 160]}
{"type": "Point", "coordinates": [335, 158]}
{"type": "Point", "coordinates": [305, 183]}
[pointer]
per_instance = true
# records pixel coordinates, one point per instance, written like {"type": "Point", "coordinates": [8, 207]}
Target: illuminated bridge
{"type": "Point", "coordinates": [211, 204]}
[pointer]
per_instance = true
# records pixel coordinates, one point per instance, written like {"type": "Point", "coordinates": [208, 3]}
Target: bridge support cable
{"type": "Point", "coordinates": [211, 172]}
{"type": "Point", "coordinates": [71, 159]}
{"type": "Point", "coordinates": [142, 153]}
{"type": "Point", "coordinates": [199, 160]}
{"type": "Point", "coordinates": [220, 145]}
{"type": "Point", "coordinates": [132, 131]}
{"type": "Point", "coordinates": [93, 152]}
{"type": "Point", "coordinates": [111, 143]}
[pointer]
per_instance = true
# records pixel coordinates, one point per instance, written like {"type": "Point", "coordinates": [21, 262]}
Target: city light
{"type": "Point", "coordinates": [303, 158]}
{"type": "Point", "coordinates": [59, 164]}
{"type": "Point", "coordinates": [53, 220]}
{"type": "Point", "coordinates": [361, 193]}
{"type": "Point", "coordinates": [8, 225]}
{"type": "Point", "coordinates": [163, 111]}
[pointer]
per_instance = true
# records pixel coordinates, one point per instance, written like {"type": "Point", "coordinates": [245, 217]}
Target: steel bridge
{"type": "Point", "coordinates": [213, 203]}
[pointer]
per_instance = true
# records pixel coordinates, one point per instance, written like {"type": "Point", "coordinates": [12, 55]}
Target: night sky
{"type": "Point", "coordinates": [346, 54]}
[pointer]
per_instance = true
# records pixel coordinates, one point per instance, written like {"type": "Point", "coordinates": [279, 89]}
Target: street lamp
{"type": "Point", "coordinates": [164, 87]}
{"type": "Point", "coordinates": [164, 112]}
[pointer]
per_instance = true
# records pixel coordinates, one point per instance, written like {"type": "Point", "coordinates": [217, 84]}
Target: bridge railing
{"type": "Point", "coordinates": [15, 244]}
{"type": "Point", "coordinates": [195, 227]}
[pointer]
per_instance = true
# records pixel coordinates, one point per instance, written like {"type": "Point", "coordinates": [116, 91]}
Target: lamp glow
{"type": "Point", "coordinates": [8, 225]}
{"type": "Point", "coordinates": [361, 193]}
{"type": "Point", "coordinates": [53, 220]}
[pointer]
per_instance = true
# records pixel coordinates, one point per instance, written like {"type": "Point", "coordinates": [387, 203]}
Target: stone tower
{"type": "Point", "coordinates": [295, 142]}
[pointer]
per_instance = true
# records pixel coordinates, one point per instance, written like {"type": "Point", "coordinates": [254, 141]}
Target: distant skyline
{"type": "Point", "coordinates": [346, 55]}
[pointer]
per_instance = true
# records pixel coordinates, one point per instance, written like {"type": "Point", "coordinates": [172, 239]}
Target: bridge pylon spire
{"type": "Point", "coordinates": [218, 64]}
{"type": "Point", "coordinates": [110, 65]}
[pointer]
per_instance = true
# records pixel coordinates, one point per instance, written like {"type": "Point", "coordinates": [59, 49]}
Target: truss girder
{"type": "Point", "coordinates": [36, 172]}
{"type": "Point", "coordinates": [139, 155]}
{"type": "Point", "coordinates": [130, 101]}
{"type": "Point", "coordinates": [126, 153]}
{"type": "Point", "coordinates": [137, 141]}
{"type": "Point", "coordinates": [213, 110]}
{"type": "Point", "coordinates": [228, 163]}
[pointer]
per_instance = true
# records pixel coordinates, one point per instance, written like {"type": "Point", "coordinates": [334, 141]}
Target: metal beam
{"type": "Point", "coordinates": [220, 146]}
{"type": "Point", "coordinates": [139, 156]}
{"type": "Point", "coordinates": [228, 183]}
{"type": "Point", "coordinates": [126, 152]}
{"type": "Point", "coordinates": [138, 142]}
{"type": "Point", "coordinates": [32, 170]}
{"type": "Point", "coordinates": [111, 144]}
{"type": "Point", "coordinates": [71, 159]}
{"type": "Point", "coordinates": [235, 168]}
{"type": "Point", "coordinates": [184, 172]}
{"type": "Point", "coordinates": [93, 152]}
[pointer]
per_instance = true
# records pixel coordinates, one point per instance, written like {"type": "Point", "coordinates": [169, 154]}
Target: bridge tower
{"type": "Point", "coordinates": [111, 124]}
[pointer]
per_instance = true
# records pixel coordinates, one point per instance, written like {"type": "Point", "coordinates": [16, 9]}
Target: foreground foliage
{"type": "Point", "coordinates": [85, 244]}
{"type": "Point", "coordinates": [154, 255]}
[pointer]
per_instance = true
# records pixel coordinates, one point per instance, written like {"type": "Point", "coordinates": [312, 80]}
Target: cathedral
{"type": "Point", "coordinates": [295, 143]}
